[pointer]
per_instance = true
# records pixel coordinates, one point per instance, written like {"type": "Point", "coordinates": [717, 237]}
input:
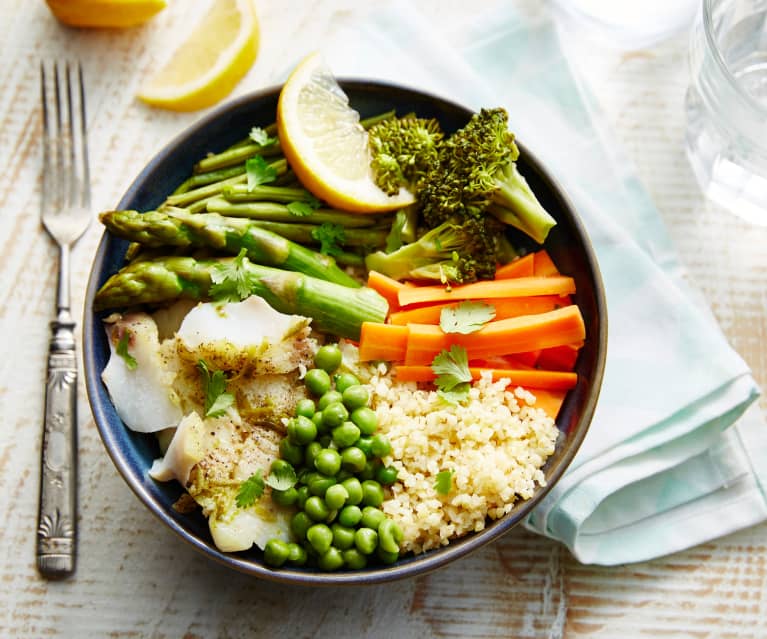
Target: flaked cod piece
{"type": "Point", "coordinates": [263, 353]}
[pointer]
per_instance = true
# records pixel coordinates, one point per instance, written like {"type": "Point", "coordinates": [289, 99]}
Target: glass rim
{"type": "Point", "coordinates": [708, 28]}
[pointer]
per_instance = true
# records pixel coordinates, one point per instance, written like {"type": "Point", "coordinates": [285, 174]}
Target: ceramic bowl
{"type": "Point", "coordinates": [132, 453]}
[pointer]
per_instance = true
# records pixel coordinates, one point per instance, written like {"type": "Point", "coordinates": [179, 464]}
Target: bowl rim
{"type": "Point", "coordinates": [411, 566]}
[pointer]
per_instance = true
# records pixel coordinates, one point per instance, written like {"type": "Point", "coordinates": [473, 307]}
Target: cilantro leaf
{"type": "Point", "coordinates": [300, 209]}
{"type": "Point", "coordinates": [444, 483]}
{"type": "Point", "coordinates": [451, 368]}
{"type": "Point", "coordinates": [250, 490]}
{"type": "Point", "coordinates": [217, 400]}
{"type": "Point", "coordinates": [261, 137]}
{"type": "Point", "coordinates": [456, 395]}
{"type": "Point", "coordinates": [122, 351]}
{"type": "Point", "coordinates": [331, 237]}
{"type": "Point", "coordinates": [259, 172]}
{"type": "Point", "coordinates": [231, 280]}
{"type": "Point", "coordinates": [282, 478]}
{"type": "Point", "coordinates": [466, 317]}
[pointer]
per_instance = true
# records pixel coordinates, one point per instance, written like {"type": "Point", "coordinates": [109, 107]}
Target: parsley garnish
{"type": "Point", "coordinates": [259, 172]}
{"type": "Point", "coordinates": [282, 478]}
{"type": "Point", "coordinates": [330, 236]}
{"type": "Point", "coordinates": [444, 483]}
{"type": "Point", "coordinates": [231, 280]}
{"type": "Point", "coordinates": [217, 400]}
{"type": "Point", "coordinates": [261, 137]}
{"type": "Point", "coordinates": [466, 317]}
{"type": "Point", "coordinates": [303, 208]}
{"type": "Point", "coordinates": [250, 490]}
{"type": "Point", "coordinates": [122, 351]}
{"type": "Point", "coordinates": [453, 375]}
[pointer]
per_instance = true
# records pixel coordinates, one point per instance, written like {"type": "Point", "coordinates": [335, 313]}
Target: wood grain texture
{"type": "Point", "coordinates": [136, 579]}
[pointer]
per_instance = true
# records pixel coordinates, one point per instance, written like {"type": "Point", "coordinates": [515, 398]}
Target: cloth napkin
{"type": "Point", "coordinates": [674, 456]}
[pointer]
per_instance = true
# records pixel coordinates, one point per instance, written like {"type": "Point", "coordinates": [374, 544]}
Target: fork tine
{"type": "Point", "coordinates": [46, 141]}
{"type": "Point", "coordinates": [86, 194]}
{"type": "Point", "coordinates": [69, 138]}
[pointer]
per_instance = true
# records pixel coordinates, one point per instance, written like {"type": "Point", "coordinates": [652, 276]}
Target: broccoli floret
{"type": "Point", "coordinates": [454, 251]}
{"type": "Point", "coordinates": [477, 174]}
{"type": "Point", "coordinates": [404, 150]}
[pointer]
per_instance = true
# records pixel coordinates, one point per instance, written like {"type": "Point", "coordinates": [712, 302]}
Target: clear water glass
{"type": "Point", "coordinates": [726, 105]}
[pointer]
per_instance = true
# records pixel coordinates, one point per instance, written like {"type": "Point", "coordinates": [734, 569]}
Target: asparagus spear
{"type": "Point", "coordinates": [334, 309]}
{"type": "Point", "coordinates": [177, 227]}
{"type": "Point", "coordinates": [276, 212]}
{"type": "Point", "coordinates": [266, 192]}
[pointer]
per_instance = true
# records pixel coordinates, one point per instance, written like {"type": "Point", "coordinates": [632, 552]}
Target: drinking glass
{"type": "Point", "coordinates": [726, 105]}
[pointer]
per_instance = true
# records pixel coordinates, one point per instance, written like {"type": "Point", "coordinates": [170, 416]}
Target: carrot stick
{"type": "Point", "coordinates": [549, 400]}
{"type": "Point", "coordinates": [519, 267]}
{"type": "Point", "coordinates": [511, 307]}
{"type": "Point", "coordinates": [382, 341]}
{"type": "Point", "coordinates": [559, 358]}
{"type": "Point", "coordinates": [543, 265]}
{"type": "Point", "coordinates": [527, 378]}
{"type": "Point", "coordinates": [488, 289]}
{"type": "Point", "coordinates": [512, 335]}
{"type": "Point", "coordinates": [386, 286]}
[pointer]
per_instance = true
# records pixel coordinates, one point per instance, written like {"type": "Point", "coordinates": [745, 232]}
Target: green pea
{"type": "Point", "coordinates": [344, 381]}
{"type": "Point", "coordinates": [353, 459]}
{"type": "Point", "coordinates": [328, 398]}
{"type": "Point", "coordinates": [334, 414]}
{"type": "Point", "coordinates": [316, 508]}
{"type": "Point", "coordinates": [326, 440]}
{"type": "Point", "coordinates": [320, 537]}
{"type": "Point", "coordinates": [296, 554]}
{"type": "Point", "coordinates": [343, 537]}
{"type": "Point", "coordinates": [389, 536]}
{"type": "Point", "coordinates": [354, 559]}
{"type": "Point", "coordinates": [355, 397]}
{"type": "Point", "coordinates": [331, 560]}
{"type": "Point", "coordinates": [328, 461]}
{"type": "Point", "coordinates": [369, 472]}
{"type": "Point", "coordinates": [317, 381]}
{"type": "Point", "coordinates": [291, 453]}
{"type": "Point", "coordinates": [328, 357]}
{"type": "Point", "coordinates": [365, 444]}
{"type": "Point", "coordinates": [380, 446]}
{"type": "Point", "coordinates": [345, 435]}
{"type": "Point", "coordinates": [386, 475]}
{"type": "Point", "coordinates": [353, 489]}
{"type": "Point", "coordinates": [276, 552]}
{"type": "Point", "coordinates": [319, 484]}
{"type": "Point", "coordinates": [299, 524]}
{"type": "Point", "coordinates": [302, 430]}
{"type": "Point", "coordinates": [365, 540]}
{"type": "Point", "coordinates": [386, 557]}
{"type": "Point", "coordinates": [302, 494]}
{"type": "Point", "coordinates": [372, 517]}
{"type": "Point", "coordinates": [310, 452]}
{"type": "Point", "coordinates": [366, 419]}
{"type": "Point", "coordinates": [343, 474]}
{"type": "Point", "coordinates": [350, 516]}
{"type": "Point", "coordinates": [286, 497]}
{"type": "Point", "coordinates": [372, 493]}
{"type": "Point", "coordinates": [336, 496]}
{"type": "Point", "coordinates": [317, 419]}
{"type": "Point", "coordinates": [305, 407]}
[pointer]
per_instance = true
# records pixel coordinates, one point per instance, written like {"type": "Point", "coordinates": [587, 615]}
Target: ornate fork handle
{"type": "Point", "coordinates": [57, 521]}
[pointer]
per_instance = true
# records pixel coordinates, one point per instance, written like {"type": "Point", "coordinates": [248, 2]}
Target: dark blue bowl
{"type": "Point", "coordinates": [133, 453]}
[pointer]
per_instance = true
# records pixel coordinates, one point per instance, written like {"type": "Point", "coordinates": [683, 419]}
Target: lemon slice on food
{"type": "Point", "coordinates": [210, 62]}
{"type": "Point", "coordinates": [105, 13]}
{"type": "Point", "coordinates": [325, 144]}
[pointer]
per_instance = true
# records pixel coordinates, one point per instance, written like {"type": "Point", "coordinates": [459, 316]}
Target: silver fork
{"type": "Point", "coordinates": [65, 213]}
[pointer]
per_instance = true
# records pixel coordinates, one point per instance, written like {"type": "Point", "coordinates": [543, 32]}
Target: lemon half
{"type": "Point", "coordinates": [105, 13]}
{"type": "Point", "coordinates": [325, 144]}
{"type": "Point", "coordinates": [210, 62]}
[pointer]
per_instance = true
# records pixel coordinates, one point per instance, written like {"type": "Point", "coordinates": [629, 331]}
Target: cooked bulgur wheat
{"type": "Point", "coordinates": [496, 444]}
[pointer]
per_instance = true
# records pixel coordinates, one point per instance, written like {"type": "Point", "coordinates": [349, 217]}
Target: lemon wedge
{"type": "Point", "coordinates": [105, 13]}
{"type": "Point", "coordinates": [210, 62]}
{"type": "Point", "coordinates": [325, 144]}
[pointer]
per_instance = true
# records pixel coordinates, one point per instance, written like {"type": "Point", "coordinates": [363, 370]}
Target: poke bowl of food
{"type": "Point", "coordinates": [343, 332]}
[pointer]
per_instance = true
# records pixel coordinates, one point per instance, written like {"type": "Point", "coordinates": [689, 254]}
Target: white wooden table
{"type": "Point", "coordinates": [136, 579]}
